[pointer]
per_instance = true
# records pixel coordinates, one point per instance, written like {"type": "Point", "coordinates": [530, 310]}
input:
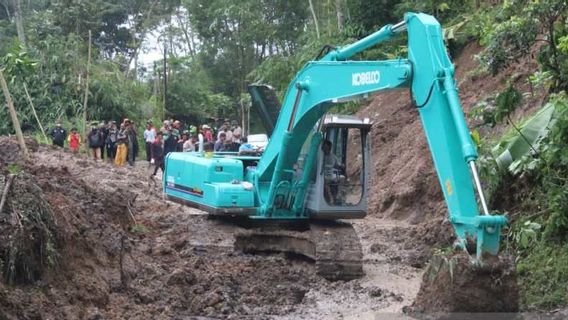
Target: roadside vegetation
{"type": "Point", "coordinates": [215, 48]}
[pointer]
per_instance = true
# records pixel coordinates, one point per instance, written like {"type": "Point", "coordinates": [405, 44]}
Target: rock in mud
{"type": "Point", "coordinates": [182, 276]}
{"type": "Point", "coordinates": [452, 284]}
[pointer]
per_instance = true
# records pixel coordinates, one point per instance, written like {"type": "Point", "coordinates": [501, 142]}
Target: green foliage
{"type": "Point", "coordinates": [525, 235]}
{"type": "Point", "coordinates": [14, 168]}
{"type": "Point", "coordinates": [554, 172]}
{"type": "Point", "coordinates": [495, 109]}
{"type": "Point", "coordinates": [508, 42]}
{"type": "Point", "coordinates": [518, 26]}
{"type": "Point", "coordinates": [443, 10]}
{"type": "Point", "coordinates": [543, 277]}
{"type": "Point", "coordinates": [139, 229]}
{"type": "Point", "coordinates": [517, 149]}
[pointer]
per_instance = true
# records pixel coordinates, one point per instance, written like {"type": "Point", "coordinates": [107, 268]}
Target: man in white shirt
{"type": "Point", "coordinates": [149, 137]}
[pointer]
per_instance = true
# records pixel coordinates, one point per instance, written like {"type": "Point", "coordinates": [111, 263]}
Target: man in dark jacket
{"type": "Point", "coordinates": [95, 140]}
{"type": "Point", "coordinates": [157, 153]}
{"type": "Point", "coordinates": [110, 141]}
{"type": "Point", "coordinates": [170, 144]}
{"type": "Point", "coordinates": [132, 142]}
{"type": "Point", "coordinates": [103, 128]}
{"type": "Point", "coordinates": [58, 135]}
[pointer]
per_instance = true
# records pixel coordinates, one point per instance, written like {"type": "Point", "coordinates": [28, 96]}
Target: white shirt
{"type": "Point", "coordinates": [150, 135]}
{"type": "Point", "coordinates": [330, 163]}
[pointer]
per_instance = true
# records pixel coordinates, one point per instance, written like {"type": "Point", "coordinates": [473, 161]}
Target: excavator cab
{"type": "Point", "coordinates": [338, 188]}
{"type": "Point", "coordinates": [339, 177]}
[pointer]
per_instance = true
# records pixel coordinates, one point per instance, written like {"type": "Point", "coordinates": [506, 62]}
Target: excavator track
{"type": "Point", "coordinates": [332, 245]}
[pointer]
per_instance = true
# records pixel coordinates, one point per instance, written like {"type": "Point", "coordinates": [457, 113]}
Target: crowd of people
{"type": "Point", "coordinates": [119, 143]}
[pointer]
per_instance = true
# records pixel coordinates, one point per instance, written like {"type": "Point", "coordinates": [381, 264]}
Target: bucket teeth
{"type": "Point", "coordinates": [334, 246]}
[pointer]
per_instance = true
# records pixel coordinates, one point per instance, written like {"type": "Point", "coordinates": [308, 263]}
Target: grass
{"type": "Point", "coordinates": [14, 168]}
{"type": "Point", "coordinates": [139, 229]}
{"type": "Point", "coordinates": [543, 276]}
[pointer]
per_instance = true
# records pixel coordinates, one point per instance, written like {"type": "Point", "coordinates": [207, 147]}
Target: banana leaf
{"type": "Point", "coordinates": [514, 146]}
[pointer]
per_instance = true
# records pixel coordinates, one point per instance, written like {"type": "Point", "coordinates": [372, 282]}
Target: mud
{"type": "Point", "coordinates": [122, 252]}
{"type": "Point", "coordinates": [453, 284]}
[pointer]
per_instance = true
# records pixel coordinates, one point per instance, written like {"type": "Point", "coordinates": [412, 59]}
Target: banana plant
{"type": "Point", "coordinates": [525, 139]}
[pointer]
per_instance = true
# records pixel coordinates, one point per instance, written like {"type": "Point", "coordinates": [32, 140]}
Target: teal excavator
{"type": "Point", "coordinates": [315, 169]}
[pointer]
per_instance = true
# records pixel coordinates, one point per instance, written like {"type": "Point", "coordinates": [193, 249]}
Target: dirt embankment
{"type": "Point", "coordinates": [405, 186]}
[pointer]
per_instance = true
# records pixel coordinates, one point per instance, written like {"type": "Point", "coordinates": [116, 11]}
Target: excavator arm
{"type": "Point", "coordinates": [429, 74]}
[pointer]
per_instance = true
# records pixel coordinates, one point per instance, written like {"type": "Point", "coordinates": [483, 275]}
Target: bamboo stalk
{"type": "Point", "coordinates": [85, 100]}
{"type": "Point", "coordinates": [35, 114]}
{"type": "Point", "coordinates": [7, 186]}
{"type": "Point", "coordinates": [13, 115]}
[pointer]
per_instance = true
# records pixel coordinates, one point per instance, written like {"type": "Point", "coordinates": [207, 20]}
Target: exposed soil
{"type": "Point", "coordinates": [453, 284]}
{"type": "Point", "coordinates": [121, 252]}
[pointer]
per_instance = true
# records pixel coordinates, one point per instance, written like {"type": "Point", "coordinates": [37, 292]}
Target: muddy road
{"type": "Point", "coordinates": [123, 252]}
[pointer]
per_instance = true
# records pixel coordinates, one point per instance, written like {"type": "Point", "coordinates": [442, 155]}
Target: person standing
{"type": "Point", "coordinates": [58, 135]}
{"type": "Point", "coordinates": [220, 144]}
{"type": "Point", "coordinates": [104, 131]}
{"type": "Point", "coordinates": [131, 142]}
{"type": "Point", "coordinates": [110, 141]}
{"type": "Point", "coordinates": [157, 153]}
{"type": "Point", "coordinates": [121, 146]}
{"type": "Point", "coordinates": [226, 130]}
{"type": "Point", "coordinates": [170, 143]}
{"type": "Point", "coordinates": [74, 140]}
{"type": "Point", "coordinates": [95, 140]}
{"type": "Point", "coordinates": [149, 137]}
{"type": "Point", "coordinates": [188, 145]}
{"type": "Point", "coordinates": [237, 132]}
{"type": "Point", "coordinates": [134, 130]}
{"type": "Point", "coordinates": [207, 134]}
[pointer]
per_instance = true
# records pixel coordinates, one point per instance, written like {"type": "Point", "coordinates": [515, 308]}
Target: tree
{"type": "Point", "coordinates": [19, 21]}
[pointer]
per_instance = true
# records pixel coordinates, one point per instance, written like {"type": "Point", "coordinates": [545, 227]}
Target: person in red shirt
{"type": "Point", "coordinates": [74, 140]}
{"type": "Point", "coordinates": [207, 134]}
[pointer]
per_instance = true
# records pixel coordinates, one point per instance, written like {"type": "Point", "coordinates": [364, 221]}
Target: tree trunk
{"type": "Point", "coordinates": [188, 35]}
{"type": "Point", "coordinates": [85, 100]}
{"type": "Point", "coordinates": [137, 44]}
{"type": "Point", "coordinates": [340, 15]}
{"type": "Point", "coordinates": [13, 115]}
{"type": "Point", "coordinates": [19, 21]}
{"type": "Point", "coordinates": [35, 113]}
{"type": "Point", "coordinates": [314, 16]}
{"type": "Point", "coordinates": [5, 5]}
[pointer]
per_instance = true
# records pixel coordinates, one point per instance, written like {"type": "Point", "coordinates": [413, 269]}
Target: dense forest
{"type": "Point", "coordinates": [71, 59]}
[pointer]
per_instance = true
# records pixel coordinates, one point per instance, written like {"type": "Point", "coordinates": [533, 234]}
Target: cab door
{"type": "Point", "coordinates": [340, 187]}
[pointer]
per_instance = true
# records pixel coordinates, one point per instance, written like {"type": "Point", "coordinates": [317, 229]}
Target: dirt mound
{"type": "Point", "coordinates": [28, 233]}
{"type": "Point", "coordinates": [452, 284]}
{"type": "Point", "coordinates": [405, 185]}
{"type": "Point", "coordinates": [10, 149]}
{"type": "Point", "coordinates": [59, 235]}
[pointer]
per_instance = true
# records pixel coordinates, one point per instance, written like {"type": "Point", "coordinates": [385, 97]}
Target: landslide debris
{"type": "Point", "coordinates": [453, 285]}
{"type": "Point", "coordinates": [85, 240]}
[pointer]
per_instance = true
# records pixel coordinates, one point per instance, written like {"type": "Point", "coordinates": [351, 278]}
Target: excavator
{"type": "Point", "coordinates": [315, 169]}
